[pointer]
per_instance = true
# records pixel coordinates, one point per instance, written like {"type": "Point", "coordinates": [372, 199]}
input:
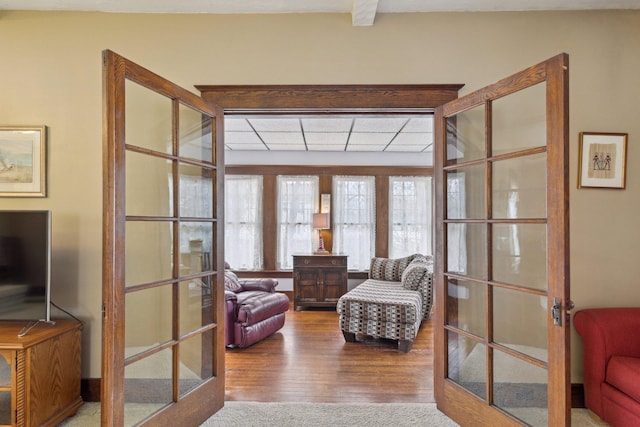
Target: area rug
{"type": "Point", "coordinates": [258, 414]}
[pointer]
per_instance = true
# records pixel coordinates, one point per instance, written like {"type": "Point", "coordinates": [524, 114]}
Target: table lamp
{"type": "Point", "coordinates": [320, 222]}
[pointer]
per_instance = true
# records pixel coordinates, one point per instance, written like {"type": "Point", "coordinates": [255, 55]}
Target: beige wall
{"type": "Point", "coordinates": [50, 73]}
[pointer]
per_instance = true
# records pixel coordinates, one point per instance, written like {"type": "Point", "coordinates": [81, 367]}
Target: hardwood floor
{"type": "Point", "coordinates": [309, 361]}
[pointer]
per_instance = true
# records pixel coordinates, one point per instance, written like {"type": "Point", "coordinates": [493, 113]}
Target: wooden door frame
{"type": "Point", "coordinates": [555, 73]}
{"type": "Point", "coordinates": [328, 99]}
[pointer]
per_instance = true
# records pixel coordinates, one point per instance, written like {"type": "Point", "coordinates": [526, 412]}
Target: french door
{"type": "Point", "coordinates": [163, 343]}
{"type": "Point", "coordinates": [502, 257]}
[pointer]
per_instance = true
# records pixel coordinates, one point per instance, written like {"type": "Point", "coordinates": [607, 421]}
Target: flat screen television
{"type": "Point", "coordinates": [25, 265]}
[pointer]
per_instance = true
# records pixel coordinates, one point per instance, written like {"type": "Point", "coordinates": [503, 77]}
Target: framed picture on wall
{"type": "Point", "coordinates": [602, 160]}
{"type": "Point", "coordinates": [23, 159]}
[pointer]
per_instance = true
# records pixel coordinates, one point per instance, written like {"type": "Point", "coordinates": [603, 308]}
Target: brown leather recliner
{"type": "Point", "coordinates": [254, 310]}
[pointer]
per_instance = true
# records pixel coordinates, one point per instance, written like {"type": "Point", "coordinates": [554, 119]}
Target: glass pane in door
{"type": "Point", "coordinates": [520, 388]}
{"type": "Point", "coordinates": [149, 119]}
{"type": "Point", "coordinates": [5, 408]}
{"type": "Point", "coordinates": [195, 138]}
{"type": "Point", "coordinates": [148, 251]}
{"type": "Point", "coordinates": [520, 322]}
{"type": "Point", "coordinates": [149, 185]}
{"type": "Point", "coordinates": [467, 363]}
{"type": "Point", "coordinates": [196, 191]}
{"type": "Point", "coordinates": [195, 304]}
{"type": "Point", "coordinates": [146, 329]}
{"type": "Point", "coordinates": [520, 254]}
{"type": "Point", "coordinates": [466, 192]}
{"type": "Point", "coordinates": [466, 250]}
{"type": "Point", "coordinates": [148, 386]}
{"type": "Point", "coordinates": [5, 381]}
{"type": "Point", "coordinates": [5, 368]}
{"type": "Point", "coordinates": [466, 306]}
{"type": "Point", "coordinates": [519, 187]}
{"type": "Point", "coordinates": [196, 244]}
{"type": "Point", "coordinates": [196, 361]}
{"type": "Point", "coordinates": [519, 120]}
{"type": "Point", "coordinates": [466, 136]}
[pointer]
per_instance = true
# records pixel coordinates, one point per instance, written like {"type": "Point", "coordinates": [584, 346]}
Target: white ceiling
{"type": "Point", "coordinates": [407, 134]}
{"type": "Point", "coordinates": [362, 12]}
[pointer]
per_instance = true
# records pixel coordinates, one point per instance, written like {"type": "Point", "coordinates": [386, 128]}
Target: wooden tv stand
{"type": "Point", "coordinates": [39, 373]}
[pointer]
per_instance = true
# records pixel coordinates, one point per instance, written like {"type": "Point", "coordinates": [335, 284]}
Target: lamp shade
{"type": "Point", "coordinates": [321, 221]}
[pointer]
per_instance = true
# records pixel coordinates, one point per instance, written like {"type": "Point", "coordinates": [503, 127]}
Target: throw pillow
{"type": "Point", "coordinates": [231, 282]}
{"type": "Point", "coordinates": [424, 258]}
{"type": "Point", "coordinates": [414, 275]}
{"type": "Point", "coordinates": [389, 269]}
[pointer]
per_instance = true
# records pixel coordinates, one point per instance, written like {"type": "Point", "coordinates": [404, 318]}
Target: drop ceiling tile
{"type": "Point", "coordinates": [397, 148]}
{"type": "Point", "coordinates": [379, 124]}
{"type": "Point", "coordinates": [241, 138]}
{"type": "Point", "coordinates": [246, 147]}
{"type": "Point", "coordinates": [419, 124]}
{"type": "Point", "coordinates": [320, 139]}
{"type": "Point", "coordinates": [370, 138]}
{"type": "Point", "coordinates": [277, 138]}
{"type": "Point", "coordinates": [364, 148]}
{"type": "Point", "coordinates": [276, 124]}
{"type": "Point", "coordinates": [421, 139]}
{"type": "Point", "coordinates": [322, 124]}
{"type": "Point", "coordinates": [287, 147]}
{"type": "Point", "coordinates": [326, 147]}
{"type": "Point", "coordinates": [236, 125]}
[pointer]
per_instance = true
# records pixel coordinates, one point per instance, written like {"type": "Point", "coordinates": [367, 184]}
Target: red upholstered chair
{"type": "Point", "coordinates": [611, 359]}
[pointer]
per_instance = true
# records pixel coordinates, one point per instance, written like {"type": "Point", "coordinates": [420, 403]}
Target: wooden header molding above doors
{"type": "Point", "coordinates": [330, 98]}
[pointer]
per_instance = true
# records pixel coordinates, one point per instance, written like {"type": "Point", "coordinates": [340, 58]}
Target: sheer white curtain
{"type": "Point", "coordinates": [297, 202]}
{"type": "Point", "coordinates": [243, 221]}
{"type": "Point", "coordinates": [354, 219]}
{"type": "Point", "coordinates": [410, 224]}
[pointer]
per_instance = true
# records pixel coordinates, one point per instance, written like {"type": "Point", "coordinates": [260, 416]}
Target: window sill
{"type": "Point", "coordinates": [286, 274]}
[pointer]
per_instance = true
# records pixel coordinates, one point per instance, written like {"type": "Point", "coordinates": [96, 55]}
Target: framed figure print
{"type": "Point", "coordinates": [23, 160]}
{"type": "Point", "coordinates": [602, 160]}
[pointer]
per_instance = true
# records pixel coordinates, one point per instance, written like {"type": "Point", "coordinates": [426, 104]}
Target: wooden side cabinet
{"type": "Point", "coordinates": [318, 280]}
{"type": "Point", "coordinates": [39, 373]}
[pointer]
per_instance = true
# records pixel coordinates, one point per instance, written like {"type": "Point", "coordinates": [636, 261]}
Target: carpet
{"type": "Point", "coordinates": [253, 414]}
{"type": "Point", "coordinates": [257, 414]}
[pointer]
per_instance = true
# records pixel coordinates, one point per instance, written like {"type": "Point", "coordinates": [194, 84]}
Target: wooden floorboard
{"type": "Point", "coordinates": [309, 361]}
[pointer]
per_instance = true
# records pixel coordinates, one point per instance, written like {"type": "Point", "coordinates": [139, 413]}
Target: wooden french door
{"type": "Point", "coordinates": [502, 258]}
{"type": "Point", "coordinates": [163, 343]}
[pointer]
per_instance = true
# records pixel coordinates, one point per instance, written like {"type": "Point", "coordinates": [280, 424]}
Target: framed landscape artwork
{"type": "Point", "coordinates": [23, 159]}
{"type": "Point", "coordinates": [602, 160]}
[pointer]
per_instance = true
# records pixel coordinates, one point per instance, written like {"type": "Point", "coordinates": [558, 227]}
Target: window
{"type": "Point", "coordinates": [354, 219]}
{"type": "Point", "coordinates": [410, 224]}
{"type": "Point", "coordinates": [243, 221]}
{"type": "Point", "coordinates": [297, 202]}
